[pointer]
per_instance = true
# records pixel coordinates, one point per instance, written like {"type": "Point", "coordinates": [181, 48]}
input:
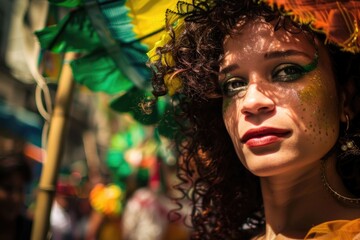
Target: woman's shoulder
{"type": "Point", "coordinates": [337, 229]}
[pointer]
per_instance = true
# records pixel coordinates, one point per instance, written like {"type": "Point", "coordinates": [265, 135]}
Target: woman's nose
{"type": "Point", "coordinates": [257, 100]}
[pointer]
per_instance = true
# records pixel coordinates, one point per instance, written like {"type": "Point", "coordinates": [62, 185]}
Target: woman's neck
{"type": "Point", "coordinates": [296, 201]}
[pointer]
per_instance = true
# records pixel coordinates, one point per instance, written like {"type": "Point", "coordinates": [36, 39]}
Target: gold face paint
{"type": "Point", "coordinates": [313, 95]}
{"type": "Point", "coordinates": [309, 93]}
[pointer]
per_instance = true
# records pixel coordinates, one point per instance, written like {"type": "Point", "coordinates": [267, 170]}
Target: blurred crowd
{"type": "Point", "coordinates": [83, 209]}
{"type": "Point", "coordinates": [129, 199]}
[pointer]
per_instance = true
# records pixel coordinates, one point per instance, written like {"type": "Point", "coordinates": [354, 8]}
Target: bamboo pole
{"type": "Point", "coordinates": [48, 179]}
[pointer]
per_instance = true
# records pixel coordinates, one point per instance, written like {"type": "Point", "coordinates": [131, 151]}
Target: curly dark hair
{"type": "Point", "coordinates": [227, 201]}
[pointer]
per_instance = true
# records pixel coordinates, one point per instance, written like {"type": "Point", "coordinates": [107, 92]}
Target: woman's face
{"type": "Point", "coordinates": [281, 106]}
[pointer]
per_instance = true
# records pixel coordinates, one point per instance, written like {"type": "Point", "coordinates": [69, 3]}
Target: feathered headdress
{"type": "Point", "coordinates": [338, 20]}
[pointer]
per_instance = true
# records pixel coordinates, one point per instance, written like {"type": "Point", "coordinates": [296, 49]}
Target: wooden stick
{"type": "Point", "coordinates": [48, 179]}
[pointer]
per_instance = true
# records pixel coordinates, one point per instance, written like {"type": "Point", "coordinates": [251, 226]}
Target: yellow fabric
{"type": "Point", "coordinates": [172, 82]}
{"type": "Point", "coordinates": [148, 16]}
{"type": "Point", "coordinates": [336, 230]}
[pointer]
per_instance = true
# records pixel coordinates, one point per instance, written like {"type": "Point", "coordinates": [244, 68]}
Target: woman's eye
{"type": "Point", "coordinates": [233, 86]}
{"type": "Point", "coordinates": [287, 72]}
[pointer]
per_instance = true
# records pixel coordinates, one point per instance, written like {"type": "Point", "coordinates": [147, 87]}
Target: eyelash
{"type": "Point", "coordinates": [298, 71]}
{"type": "Point", "coordinates": [234, 89]}
{"type": "Point", "coordinates": [288, 77]}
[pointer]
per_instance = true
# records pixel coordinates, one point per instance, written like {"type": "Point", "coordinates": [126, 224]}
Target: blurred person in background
{"type": "Point", "coordinates": [148, 213]}
{"type": "Point", "coordinates": [15, 174]}
{"type": "Point", "coordinates": [62, 212]}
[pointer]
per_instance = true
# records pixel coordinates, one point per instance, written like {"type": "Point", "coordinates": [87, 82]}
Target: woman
{"type": "Point", "coordinates": [268, 114]}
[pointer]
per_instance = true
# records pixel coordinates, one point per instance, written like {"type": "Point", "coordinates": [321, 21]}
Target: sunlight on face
{"type": "Point", "coordinates": [280, 107]}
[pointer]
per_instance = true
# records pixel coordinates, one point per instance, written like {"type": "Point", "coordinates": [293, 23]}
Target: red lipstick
{"type": "Point", "coordinates": [257, 137]}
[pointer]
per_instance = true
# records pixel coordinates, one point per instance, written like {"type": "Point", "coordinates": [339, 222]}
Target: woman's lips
{"type": "Point", "coordinates": [263, 136]}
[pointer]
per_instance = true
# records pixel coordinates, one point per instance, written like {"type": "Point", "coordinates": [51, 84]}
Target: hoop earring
{"type": "Point", "coordinates": [345, 200]}
{"type": "Point", "coordinates": [347, 165]}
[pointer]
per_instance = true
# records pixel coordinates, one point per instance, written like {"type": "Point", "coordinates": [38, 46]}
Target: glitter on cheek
{"type": "Point", "coordinates": [317, 106]}
{"type": "Point", "coordinates": [310, 93]}
{"type": "Point", "coordinates": [311, 98]}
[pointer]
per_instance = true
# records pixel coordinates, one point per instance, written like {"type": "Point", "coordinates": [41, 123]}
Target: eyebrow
{"type": "Point", "coordinates": [286, 53]}
{"type": "Point", "coordinates": [268, 55]}
{"type": "Point", "coordinates": [229, 68]}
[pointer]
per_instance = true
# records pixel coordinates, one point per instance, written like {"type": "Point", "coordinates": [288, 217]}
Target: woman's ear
{"type": "Point", "coordinates": [349, 101]}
